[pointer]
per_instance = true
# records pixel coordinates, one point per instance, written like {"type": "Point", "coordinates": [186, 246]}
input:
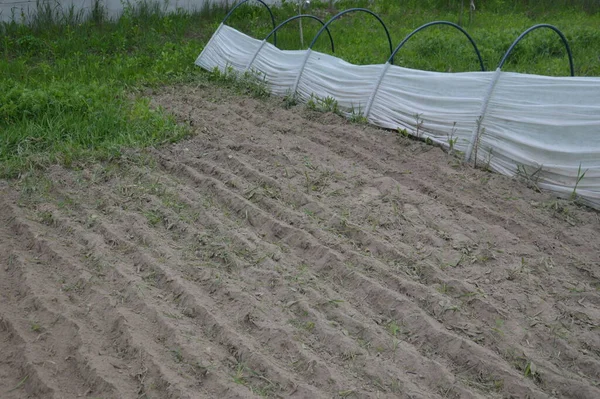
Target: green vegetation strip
{"type": "Point", "coordinates": [72, 86]}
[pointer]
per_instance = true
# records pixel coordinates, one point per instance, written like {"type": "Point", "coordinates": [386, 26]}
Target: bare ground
{"type": "Point", "coordinates": [285, 253]}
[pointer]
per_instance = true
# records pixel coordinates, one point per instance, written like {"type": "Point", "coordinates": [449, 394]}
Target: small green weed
{"type": "Point", "coordinates": [290, 100]}
{"type": "Point", "coordinates": [580, 176]}
{"type": "Point", "coordinates": [530, 176]}
{"type": "Point", "coordinates": [309, 326]}
{"type": "Point", "coordinates": [357, 116]}
{"type": "Point", "coordinates": [19, 385]}
{"type": "Point", "coordinates": [418, 125]}
{"type": "Point", "coordinates": [239, 377]}
{"type": "Point", "coordinates": [327, 104]}
{"type": "Point", "coordinates": [177, 355]}
{"type": "Point", "coordinates": [394, 329]}
{"type": "Point", "coordinates": [249, 82]}
{"type": "Point", "coordinates": [402, 133]}
{"type": "Point", "coordinates": [346, 393]}
{"type": "Point", "coordinates": [36, 327]}
{"type": "Point", "coordinates": [46, 217]}
{"type": "Point", "coordinates": [452, 139]}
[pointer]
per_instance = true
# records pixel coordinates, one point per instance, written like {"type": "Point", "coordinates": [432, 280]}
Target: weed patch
{"type": "Point", "coordinates": [72, 82]}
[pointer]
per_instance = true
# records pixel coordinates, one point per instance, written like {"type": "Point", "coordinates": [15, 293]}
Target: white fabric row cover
{"type": "Point", "coordinates": [545, 127]}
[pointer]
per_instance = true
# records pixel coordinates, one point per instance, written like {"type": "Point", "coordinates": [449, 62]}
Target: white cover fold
{"type": "Point", "coordinates": [530, 120]}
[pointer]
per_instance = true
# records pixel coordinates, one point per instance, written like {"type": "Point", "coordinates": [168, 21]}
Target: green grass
{"type": "Point", "coordinates": [72, 86]}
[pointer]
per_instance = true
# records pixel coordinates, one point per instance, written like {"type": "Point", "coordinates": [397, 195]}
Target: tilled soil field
{"type": "Point", "coordinates": [288, 253]}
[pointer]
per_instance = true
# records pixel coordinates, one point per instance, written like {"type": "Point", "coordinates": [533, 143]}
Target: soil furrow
{"type": "Point", "coordinates": [122, 343]}
{"type": "Point", "coordinates": [44, 330]}
{"type": "Point", "coordinates": [246, 285]}
{"type": "Point", "coordinates": [485, 309]}
{"type": "Point", "coordinates": [323, 259]}
{"type": "Point", "coordinates": [21, 379]}
{"type": "Point", "coordinates": [290, 253]}
{"type": "Point", "coordinates": [199, 306]}
{"type": "Point", "coordinates": [240, 144]}
{"type": "Point", "coordinates": [172, 335]}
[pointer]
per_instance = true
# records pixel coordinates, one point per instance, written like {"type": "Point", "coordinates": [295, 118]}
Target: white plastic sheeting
{"type": "Point", "coordinates": [508, 121]}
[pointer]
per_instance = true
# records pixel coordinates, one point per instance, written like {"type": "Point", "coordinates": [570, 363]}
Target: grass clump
{"type": "Point", "coordinates": [62, 122]}
{"type": "Point", "coordinates": [327, 104]}
{"type": "Point", "coordinates": [251, 83]}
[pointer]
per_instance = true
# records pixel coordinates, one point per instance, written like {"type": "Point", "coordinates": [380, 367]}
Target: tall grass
{"type": "Point", "coordinates": [72, 84]}
{"type": "Point", "coordinates": [528, 6]}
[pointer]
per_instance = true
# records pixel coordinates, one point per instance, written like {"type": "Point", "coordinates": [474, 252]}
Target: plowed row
{"type": "Point", "coordinates": [285, 253]}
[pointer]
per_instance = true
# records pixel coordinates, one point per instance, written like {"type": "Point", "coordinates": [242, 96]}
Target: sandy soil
{"type": "Point", "coordinates": [285, 253]}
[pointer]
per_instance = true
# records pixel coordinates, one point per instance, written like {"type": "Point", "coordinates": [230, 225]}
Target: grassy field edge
{"type": "Point", "coordinates": [72, 88]}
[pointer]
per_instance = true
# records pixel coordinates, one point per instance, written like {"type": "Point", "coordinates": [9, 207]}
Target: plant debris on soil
{"type": "Point", "coordinates": [291, 253]}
